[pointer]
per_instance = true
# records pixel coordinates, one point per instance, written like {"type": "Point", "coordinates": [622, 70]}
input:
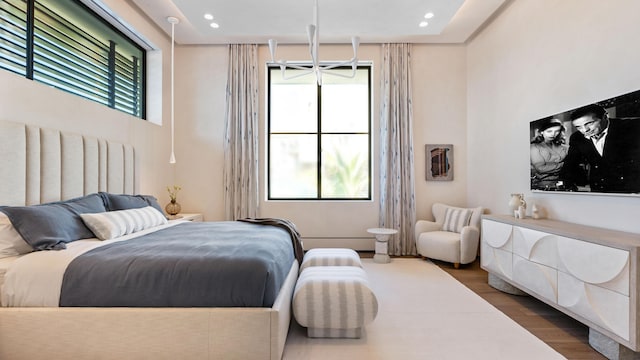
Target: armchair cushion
{"type": "Point", "coordinates": [456, 219]}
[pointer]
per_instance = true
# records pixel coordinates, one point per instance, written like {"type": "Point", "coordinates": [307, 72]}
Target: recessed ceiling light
{"type": "Point", "coordinates": [429, 15]}
{"type": "Point", "coordinates": [208, 16]}
{"type": "Point", "coordinates": [214, 25]}
{"type": "Point", "coordinates": [423, 24]}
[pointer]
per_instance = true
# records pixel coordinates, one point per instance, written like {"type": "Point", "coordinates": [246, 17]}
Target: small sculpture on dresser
{"type": "Point", "coordinates": [536, 212]}
{"type": "Point", "coordinates": [173, 207]}
{"type": "Point", "coordinates": [518, 205]}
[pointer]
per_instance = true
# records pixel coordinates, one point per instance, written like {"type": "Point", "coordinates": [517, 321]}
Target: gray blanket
{"type": "Point", "coordinates": [194, 264]}
{"type": "Point", "coordinates": [296, 240]}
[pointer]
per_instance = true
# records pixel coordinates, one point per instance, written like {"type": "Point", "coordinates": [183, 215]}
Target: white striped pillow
{"type": "Point", "coordinates": [113, 224]}
{"type": "Point", "coordinates": [456, 219]}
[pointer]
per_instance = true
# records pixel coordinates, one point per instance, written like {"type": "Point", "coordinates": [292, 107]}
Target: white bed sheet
{"type": "Point", "coordinates": [35, 279]}
{"type": "Point", "coordinates": [5, 263]}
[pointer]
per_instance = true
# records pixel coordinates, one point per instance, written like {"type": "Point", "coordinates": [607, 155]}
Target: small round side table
{"type": "Point", "coordinates": [382, 245]}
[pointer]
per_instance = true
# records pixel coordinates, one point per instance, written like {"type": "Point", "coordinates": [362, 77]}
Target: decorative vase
{"type": "Point", "coordinates": [173, 208]}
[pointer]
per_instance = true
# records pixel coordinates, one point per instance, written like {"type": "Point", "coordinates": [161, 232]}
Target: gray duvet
{"type": "Point", "coordinates": [194, 264]}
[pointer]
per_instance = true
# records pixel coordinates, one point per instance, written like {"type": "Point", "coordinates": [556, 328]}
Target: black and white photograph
{"type": "Point", "coordinates": [592, 149]}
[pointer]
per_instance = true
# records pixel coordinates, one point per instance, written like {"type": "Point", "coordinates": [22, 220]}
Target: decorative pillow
{"type": "Point", "coordinates": [113, 224]}
{"type": "Point", "coordinates": [49, 226]}
{"type": "Point", "coordinates": [91, 203]}
{"type": "Point", "coordinates": [115, 202]}
{"type": "Point", "coordinates": [456, 219]}
{"type": "Point", "coordinates": [11, 243]}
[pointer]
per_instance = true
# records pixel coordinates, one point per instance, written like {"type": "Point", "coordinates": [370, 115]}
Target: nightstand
{"type": "Point", "coordinates": [185, 216]}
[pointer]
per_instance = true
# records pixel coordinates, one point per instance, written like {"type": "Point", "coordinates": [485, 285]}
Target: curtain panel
{"type": "Point", "coordinates": [397, 195]}
{"type": "Point", "coordinates": [241, 133]}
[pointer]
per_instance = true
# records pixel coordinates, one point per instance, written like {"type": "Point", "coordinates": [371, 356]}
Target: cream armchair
{"type": "Point", "coordinates": [453, 237]}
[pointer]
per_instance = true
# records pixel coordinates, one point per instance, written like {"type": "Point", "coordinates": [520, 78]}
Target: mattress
{"type": "Point", "coordinates": [42, 278]}
{"type": "Point", "coordinates": [35, 279]}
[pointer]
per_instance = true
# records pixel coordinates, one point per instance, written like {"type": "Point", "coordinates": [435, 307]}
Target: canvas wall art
{"type": "Point", "coordinates": [439, 158]}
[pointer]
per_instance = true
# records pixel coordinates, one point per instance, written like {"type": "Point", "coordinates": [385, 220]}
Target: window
{"type": "Point", "coordinates": [319, 137]}
{"type": "Point", "coordinates": [64, 44]}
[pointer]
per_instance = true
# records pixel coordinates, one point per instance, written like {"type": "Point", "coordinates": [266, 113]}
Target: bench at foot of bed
{"type": "Point", "coordinates": [330, 257]}
{"type": "Point", "coordinates": [334, 301]}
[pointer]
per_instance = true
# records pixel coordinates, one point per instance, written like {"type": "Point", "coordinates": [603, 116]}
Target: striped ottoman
{"type": "Point", "coordinates": [334, 301]}
{"type": "Point", "coordinates": [330, 257]}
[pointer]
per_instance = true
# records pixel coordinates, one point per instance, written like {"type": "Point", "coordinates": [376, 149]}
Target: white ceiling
{"type": "Point", "coordinates": [374, 21]}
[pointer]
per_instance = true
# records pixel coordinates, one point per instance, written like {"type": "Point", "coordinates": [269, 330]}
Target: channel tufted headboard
{"type": "Point", "coordinates": [39, 165]}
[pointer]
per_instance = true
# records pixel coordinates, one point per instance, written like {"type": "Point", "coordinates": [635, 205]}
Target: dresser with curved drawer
{"type": "Point", "coordinates": [586, 272]}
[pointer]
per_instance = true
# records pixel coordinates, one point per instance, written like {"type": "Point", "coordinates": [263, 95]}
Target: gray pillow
{"type": "Point", "coordinates": [50, 226]}
{"type": "Point", "coordinates": [114, 202]}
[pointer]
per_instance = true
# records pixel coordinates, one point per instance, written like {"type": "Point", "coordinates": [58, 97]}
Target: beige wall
{"type": "Point", "coordinates": [439, 112]}
{"type": "Point", "coordinates": [200, 76]}
{"type": "Point", "coordinates": [439, 117]}
{"type": "Point", "coordinates": [541, 57]}
{"type": "Point", "coordinates": [537, 58]}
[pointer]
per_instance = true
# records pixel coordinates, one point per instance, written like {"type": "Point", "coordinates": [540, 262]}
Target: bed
{"type": "Point", "coordinates": [39, 165]}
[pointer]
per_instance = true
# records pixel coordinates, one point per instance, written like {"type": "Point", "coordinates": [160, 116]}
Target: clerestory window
{"type": "Point", "coordinates": [66, 45]}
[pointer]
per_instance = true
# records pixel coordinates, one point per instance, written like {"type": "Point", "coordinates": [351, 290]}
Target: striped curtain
{"type": "Point", "coordinates": [397, 199]}
{"type": "Point", "coordinates": [241, 133]}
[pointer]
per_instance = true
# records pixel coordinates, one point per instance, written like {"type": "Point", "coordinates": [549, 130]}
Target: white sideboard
{"type": "Point", "coordinates": [589, 273]}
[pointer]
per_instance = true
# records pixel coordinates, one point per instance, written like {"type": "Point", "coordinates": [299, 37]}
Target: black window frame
{"type": "Point", "coordinates": [125, 88]}
{"type": "Point", "coordinates": [319, 133]}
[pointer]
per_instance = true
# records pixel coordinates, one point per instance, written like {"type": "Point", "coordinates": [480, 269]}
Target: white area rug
{"type": "Point", "coordinates": [424, 313]}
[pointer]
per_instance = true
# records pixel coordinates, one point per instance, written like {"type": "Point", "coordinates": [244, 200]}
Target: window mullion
{"type": "Point", "coordinates": [319, 141]}
{"type": "Point", "coordinates": [112, 74]}
{"type": "Point", "coordinates": [136, 105]}
{"type": "Point", "coordinates": [30, 36]}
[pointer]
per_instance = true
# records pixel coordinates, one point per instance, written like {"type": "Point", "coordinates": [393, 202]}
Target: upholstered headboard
{"type": "Point", "coordinates": [39, 165]}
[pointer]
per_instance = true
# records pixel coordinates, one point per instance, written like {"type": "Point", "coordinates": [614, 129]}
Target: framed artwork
{"type": "Point", "coordinates": [592, 149]}
{"type": "Point", "coordinates": [439, 158]}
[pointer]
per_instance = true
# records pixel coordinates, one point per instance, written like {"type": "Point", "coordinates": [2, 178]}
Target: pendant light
{"type": "Point", "coordinates": [173, 21]}
{"type": "Point", "coordinates": [313, 34]}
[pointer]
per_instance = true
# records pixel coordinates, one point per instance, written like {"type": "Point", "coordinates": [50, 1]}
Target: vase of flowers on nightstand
{"type": "Point", "coordinates": [173, 207]}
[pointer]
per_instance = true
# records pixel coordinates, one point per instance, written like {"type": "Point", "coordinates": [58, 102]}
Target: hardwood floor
{"type": "Point", "coordinates": [564, 334]}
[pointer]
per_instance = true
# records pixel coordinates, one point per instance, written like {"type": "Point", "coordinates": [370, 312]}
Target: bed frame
{"type": "Point", "coordinates": [39, 165]}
